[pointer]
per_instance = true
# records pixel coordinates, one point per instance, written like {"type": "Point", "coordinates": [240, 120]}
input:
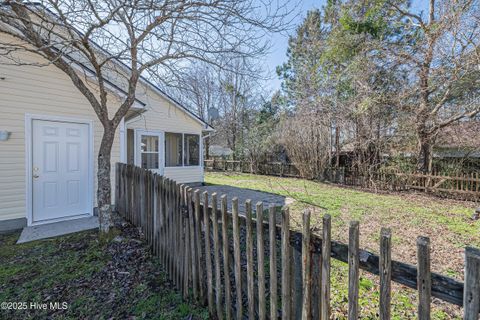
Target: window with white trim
{"type": "Point", "coordinates": [149, 152]}
{"type": "Point", "coordinates": [192, 149]}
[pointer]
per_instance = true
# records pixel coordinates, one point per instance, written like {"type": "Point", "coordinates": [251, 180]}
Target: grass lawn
{"type": "Point", "coordinates": [116, 279]}
{"type": "Point", "coordinates": [448, 224]}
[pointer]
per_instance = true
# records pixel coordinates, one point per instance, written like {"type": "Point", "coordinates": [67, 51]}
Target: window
{"type": "Point", "coordinates": [173, 149]}
{"type": "Point", "coordinates": [149, 152]}
{"type": "Point", "coordinates": [192, 149]}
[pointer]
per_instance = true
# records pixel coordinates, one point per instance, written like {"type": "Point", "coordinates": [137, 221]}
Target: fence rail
{"type": "Point", "coordinates": [463, 187]}
{"type": "Point", "coordinates": [205, 249]}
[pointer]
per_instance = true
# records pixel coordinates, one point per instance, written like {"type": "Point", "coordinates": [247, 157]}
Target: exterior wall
{"type": "Point", "coordinates": [162, 115]}
{"type": "Point", "coordinates": [42, 91]}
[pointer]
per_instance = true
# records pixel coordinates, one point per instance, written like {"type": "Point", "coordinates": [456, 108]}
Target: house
{"type": "Point", "coordinates": [460, 140]}
{"type": "Point", "coordinates": [50, 137]}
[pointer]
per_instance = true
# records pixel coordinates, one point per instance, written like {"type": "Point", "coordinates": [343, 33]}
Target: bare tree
{"type": "Point", "coordinates": [121, 40]}
{"type": "Point", "coordinates": [442, 54]}
{"type": "Point", "coordinates": [305, 136]}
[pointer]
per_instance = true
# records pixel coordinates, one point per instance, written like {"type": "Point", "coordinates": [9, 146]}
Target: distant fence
{"type": "Point", "coordinates": [463, 187]}
{"type": "Point", "coordinates": [253, 265]}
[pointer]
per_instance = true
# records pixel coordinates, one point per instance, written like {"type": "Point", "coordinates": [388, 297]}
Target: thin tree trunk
{"type": "Point", "coordinates": [337, 146]}
{"type": "Point", "coordinates": [104, 189]}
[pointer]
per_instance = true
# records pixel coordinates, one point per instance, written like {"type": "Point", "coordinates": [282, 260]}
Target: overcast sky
{"type": "Point", "coordinates": [278, 51]}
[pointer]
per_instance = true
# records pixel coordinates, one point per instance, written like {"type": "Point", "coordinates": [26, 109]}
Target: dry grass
{"type": "Point", "coordinates": [448, 223]}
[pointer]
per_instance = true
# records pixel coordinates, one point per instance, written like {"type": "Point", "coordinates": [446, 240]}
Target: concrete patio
{"type": "Point", "coordinates": [56, 229]}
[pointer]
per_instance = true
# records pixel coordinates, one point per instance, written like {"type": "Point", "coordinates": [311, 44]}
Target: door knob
{"type": "Point", "coordinates": [35, 170]}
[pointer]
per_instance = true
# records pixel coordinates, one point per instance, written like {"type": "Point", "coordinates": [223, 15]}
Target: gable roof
{"type": "Point", "coordinates": [123, 65]}
{"type": "Point", "coordinates": [461, 135]}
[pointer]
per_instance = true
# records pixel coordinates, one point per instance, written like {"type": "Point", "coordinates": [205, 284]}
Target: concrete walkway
{"type": "Point", "coordinates": [56, 229]}
{"type": "Point", "coordinates": [244, 194]}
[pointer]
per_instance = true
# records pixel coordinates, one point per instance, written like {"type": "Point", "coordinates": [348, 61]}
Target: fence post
{"type": "Point", "coordinates": [325, 272]}
{"type": "Point", "coordinates": [385, 273]}
{"type": "Point", "coordinates": [424, 281]}
{"type": "Point", "coordinates": [249, 248]}
{"type": "Point", "coordinates": [237, 257]}
{"type": "Point", "coordinates": [471, 293]}
{"type": "Point", "coordinates": [353, 270]}
{"type": "Point", "coordinates": [262, 307]}
{"type": "Point", "coordinates": [272, 227]}
{"type": "Point", "coordinates": [306, 267]}
{"type": "Point", "coordinates": [286, 274]}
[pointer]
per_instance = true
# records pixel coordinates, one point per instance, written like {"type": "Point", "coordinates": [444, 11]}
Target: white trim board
{"type": "Point", "coordinates": [28, 162]}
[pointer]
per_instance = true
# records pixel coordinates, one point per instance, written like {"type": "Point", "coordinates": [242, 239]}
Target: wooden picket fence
{"type": "Point", "coordinates": [459, 186]}
{"type": "Point", "coordinates": [252, 265]}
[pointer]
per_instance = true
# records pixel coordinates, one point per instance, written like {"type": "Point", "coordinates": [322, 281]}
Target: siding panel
{"type": "Point", "coordinates": [44, 91]}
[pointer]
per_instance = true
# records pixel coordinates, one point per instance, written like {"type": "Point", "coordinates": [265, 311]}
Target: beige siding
{"type": "Point", "coordinates": [42, 91]}
{"type": "Point", "coordinates": [162, 115]}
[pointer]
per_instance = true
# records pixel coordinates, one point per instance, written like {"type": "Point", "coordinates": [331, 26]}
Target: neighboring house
{"type": "Point", "coordinates": [219, 151]}
{"type": "Point", "coordinates": [459, 140]}
{"type": "Point", "coordinates": [48, 158]}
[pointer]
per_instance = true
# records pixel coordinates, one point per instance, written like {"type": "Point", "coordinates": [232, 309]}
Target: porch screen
{"type": "Point", "coordinates": [173, 149]}
{"type": "Point", "coordinates": [192, 150]}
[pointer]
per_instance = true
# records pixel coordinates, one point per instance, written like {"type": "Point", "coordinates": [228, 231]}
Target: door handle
{"type": "Point", "coordinates": [35, 174]}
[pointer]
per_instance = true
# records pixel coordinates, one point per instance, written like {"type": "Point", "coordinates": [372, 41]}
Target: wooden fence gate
{"type": "Point", "coordinates": [232, 262]}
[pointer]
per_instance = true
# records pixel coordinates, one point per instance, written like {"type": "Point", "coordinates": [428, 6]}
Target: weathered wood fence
{"type": "Point", "coordinates": [460, 186]}
{"type": "Point", "coordinates": [252, 265]}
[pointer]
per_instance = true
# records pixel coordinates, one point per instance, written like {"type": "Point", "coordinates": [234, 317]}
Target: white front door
{"type": "Point", "coordinates": [149, 150]}
{"type": "Point", "coordinates": [60, 165]}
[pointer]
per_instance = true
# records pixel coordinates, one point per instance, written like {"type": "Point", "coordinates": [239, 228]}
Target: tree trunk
{"type": "Point", "coordinates": [425, 153]}
{"type": "Point", "coordinates": [104, 189]}
{"type": "Point", "coordinates": [337, 147]}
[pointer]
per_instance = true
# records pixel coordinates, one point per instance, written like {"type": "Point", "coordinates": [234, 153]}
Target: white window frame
{"type": "Point", "coordinates": [161, 146]}
{"type": "Point", "coordinates": [200, 162]}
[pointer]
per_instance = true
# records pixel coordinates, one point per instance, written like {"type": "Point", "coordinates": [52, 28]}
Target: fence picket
{"type": "Point", "coordinates": [188, 255]}
{"type": "Point", "coordinates": [325, 272]}
{"type": "Point", "coordinates": [176, 228]}
{"type": "Point", "coordinates": [237, 258]}
{"type": "Point", "coordinates": [353, 270]}
{"type": "Point", "coordinates": [424, 281]}
{"type": "Point", "coordinates": [249, 249]}
{"type": "Point", "coordinates": [273, 261]}
{"type": "Point", "coordinates": [198, 240]}
{"type": "Point", "coordinates": [286, 274]}
{"type": "Point", "coordinates": [216, 249]}
{"type": "Point", "coordinates": [193, 253]}
{"type": "Point", "coordinates": [208, 254]}
{"type": "Point", "coordinates": [471, 295]}
{"type": "Point", "coordinates": [385, 273]}
{"type": "Point", "coordinates": [262, 306]}
{"type": "Point", "coordinates": [226, 259]}
{"type": "Point", "coordinates": [306, 267]}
